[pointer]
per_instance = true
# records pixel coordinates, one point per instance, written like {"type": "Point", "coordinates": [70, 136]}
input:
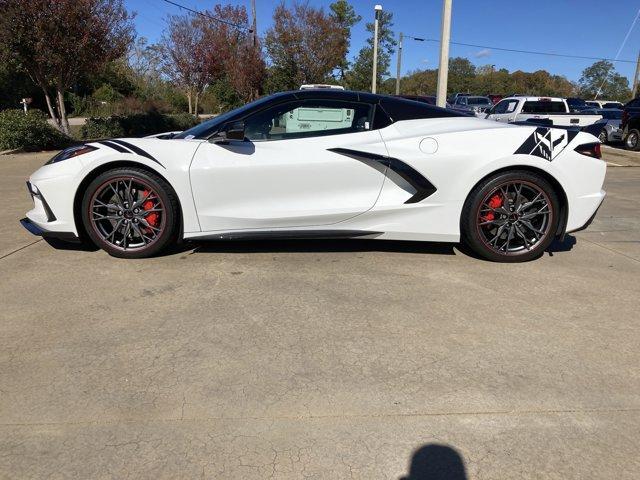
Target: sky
{"type": "Point", "coordinates": [591, 28]}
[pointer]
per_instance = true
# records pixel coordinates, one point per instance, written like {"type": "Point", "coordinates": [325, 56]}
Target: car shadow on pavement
{"type": "Point", "coordinates": [565, 245]}
{"type": "Point", "coordinates": [436, 462]}
{"type": "Point", "coordinates": [320, 246]}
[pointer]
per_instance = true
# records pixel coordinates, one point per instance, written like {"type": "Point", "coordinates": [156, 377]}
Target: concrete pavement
{"type": "Point", "coordinates": [342, 359]}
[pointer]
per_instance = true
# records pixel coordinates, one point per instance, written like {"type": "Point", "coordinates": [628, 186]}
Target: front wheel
{"type": "Point", "coordinates": [511, 217]}
{"type": "Point", "coordinates": [130, 212]}
{"type": "Point", "coordinates": [632, 141]}
{"type": "Point", "coordinates": [603, 137]}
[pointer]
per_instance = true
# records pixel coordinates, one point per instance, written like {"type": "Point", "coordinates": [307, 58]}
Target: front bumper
{"type": "Point", "coordinates": [39, 231]}
{"type": "Point", "coordinates": [42, 216]}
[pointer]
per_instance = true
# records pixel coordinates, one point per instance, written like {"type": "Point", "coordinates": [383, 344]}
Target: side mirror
{"type": "Point", "coordinates": [235, 131]}
{"type": "Point", "coordinates": [232, 131]}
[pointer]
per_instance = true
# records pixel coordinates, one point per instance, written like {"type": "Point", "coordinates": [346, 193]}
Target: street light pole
{"type": "Point", "coordinates": [374, 80]}
{"type": "Point", "coordinates": [443, 69]}
{"type": "Point", "coordinates": [398, 74]}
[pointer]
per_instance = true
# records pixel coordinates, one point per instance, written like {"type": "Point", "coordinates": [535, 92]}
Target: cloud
{"type": "Point", "coordinates": [485, 52]}
{"type": "Point", "coordinates": [424, 60]}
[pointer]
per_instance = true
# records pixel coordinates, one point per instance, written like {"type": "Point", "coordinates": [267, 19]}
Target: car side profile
{"type": "Point", "coordinates": [326, 164]}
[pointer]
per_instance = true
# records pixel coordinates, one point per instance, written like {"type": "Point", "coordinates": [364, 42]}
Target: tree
{"type": "Point", "coordinates": [188, 60]}
{"type": "Point", "coordinates": [602, 79]}
{"type": "Point", "coordinates": [241, 64]}
{"type": "Point", "coordinates": [56, 42]}
{"type": "Point", "coordinates": [346, 17]}
{"type": "Point", "coordinates": [461, 75]}
{"type": "Point", "coordinates": [304, 45]}
{"type": "Point", "coordinates": [359, 78]}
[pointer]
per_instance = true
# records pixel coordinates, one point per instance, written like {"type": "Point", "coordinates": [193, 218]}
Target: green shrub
{"type": "Point", "coordinates": [102, 127]}
{"type": "Point", "coordinates": [183, 121]}
{"type": "Point", "coordinates": [29, 132]}
{"type": "Point", "coordinates": [106, 93]}
{"type": "Point", "coordinates": [136, 125]}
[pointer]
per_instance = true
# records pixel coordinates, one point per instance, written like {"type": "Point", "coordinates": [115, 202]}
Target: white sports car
{"type": "Point", "coordinates": [326, 164]}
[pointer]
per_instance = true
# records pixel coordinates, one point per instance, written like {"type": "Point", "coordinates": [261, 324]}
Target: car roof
{"type": "Point", "coordinates": [536, 99]}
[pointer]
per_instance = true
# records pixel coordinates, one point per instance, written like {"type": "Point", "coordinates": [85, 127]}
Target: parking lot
{"type": "Point", "coordinates": [322, 359]}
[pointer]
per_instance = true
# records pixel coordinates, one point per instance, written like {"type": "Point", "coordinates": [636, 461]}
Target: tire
{"type": "Point", "coordinates": [501, 225]}
{"type": "Point", "coordinates": [138, 229]}
{"type": "Point", "coordinates": [632, 140]}
{"type": "Point", "coordinates": [603, 137]}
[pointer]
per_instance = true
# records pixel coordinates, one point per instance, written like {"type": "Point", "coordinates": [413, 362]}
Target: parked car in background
{"type": "Point", "coordinates": [555, 110]}
{"type": "Point", "coordinates": [495, 98]}
{"type": "Point", "coordinates": [630, 124]}
{"type": "Point", "coordinates": [617, 105]}
{"type": "Point", "coordinates": [611, 119]}
{"type": "Point", "coordinates": [452, 99]}
{"type": "Point", "coordinates": [428, 99]}
{"type": "Point", "coordinates": [475, 104]}
{"type": "Point", "coordinates": [323, 86]}
{"type": "Point", "coordinates": [604, 104]}
{"type": "Point", "coordinates": [577, 104]}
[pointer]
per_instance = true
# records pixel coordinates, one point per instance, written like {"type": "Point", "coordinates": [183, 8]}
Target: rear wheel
{"type": "Point", "coordinates": [130, 212]}
{"type": "Point", "coordinates": [511, 217]}
{"type": "Point", "coordinates": [632, 141]}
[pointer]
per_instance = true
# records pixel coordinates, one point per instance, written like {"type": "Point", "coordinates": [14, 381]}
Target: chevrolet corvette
{"type": "Point", "coordinates": [325, 164]}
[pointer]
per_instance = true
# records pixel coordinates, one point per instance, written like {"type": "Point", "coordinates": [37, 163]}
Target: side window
{"type": "Point", "coordinates": [308, 118]}
{"type": "Point", "coordinates": [511, 106]}
{"type": "Point", "coordinates": [501, 107]}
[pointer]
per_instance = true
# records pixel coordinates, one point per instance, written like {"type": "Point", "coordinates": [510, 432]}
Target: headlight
{"type": "Point", "coordinates": [71, 152]}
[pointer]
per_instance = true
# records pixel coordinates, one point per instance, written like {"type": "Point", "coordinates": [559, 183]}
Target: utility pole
{"type": "Point", "coordinates": [399, 64]}
{"type": "Point", "coordinates": [443, 69]}
{"type": "Point", "coordinates": [374, 80]}
{"type": "Point", "coordinates": [254, 26]}
{"type": "Point", "coordinates": [398, 74]}
{"type": "Point", "coordinates": [635, 77]}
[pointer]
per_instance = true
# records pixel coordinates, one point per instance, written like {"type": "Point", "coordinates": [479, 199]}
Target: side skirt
{"type": "Point", "coordinates": [287, 234]}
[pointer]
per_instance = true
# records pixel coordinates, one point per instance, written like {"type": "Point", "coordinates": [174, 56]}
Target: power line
{"type": "Point", "coordinates": [532, 52]}
{"type": "Point", "coordinates": [624, 42]}
{"type": "Point", "coordinates": [206, 15]}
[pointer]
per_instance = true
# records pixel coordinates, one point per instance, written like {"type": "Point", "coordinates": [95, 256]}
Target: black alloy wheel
{"type": "Point", "coordinates": [130, 212]}
{"type": "Point", "coordinates": [511, 217]}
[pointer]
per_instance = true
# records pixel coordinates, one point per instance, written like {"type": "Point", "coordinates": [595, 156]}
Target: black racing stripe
{"type": "Point", "coordinates": [424, 188]}
{"type": "Point", "coordinates": [115, 146]}
{"type": "Point", "coordinates": [137, 150]}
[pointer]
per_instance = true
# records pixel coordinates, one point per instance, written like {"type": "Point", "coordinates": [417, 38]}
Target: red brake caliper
{"type": "Point", "coordinates": [153, 217]}
{"type": "Point", "coordinates": [494, 202]}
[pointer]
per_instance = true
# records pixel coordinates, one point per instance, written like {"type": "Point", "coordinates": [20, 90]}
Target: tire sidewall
{"type": "Point", "coordinates": [159, 186]}
{"type": "Point", "coordinates": [632, 134]}
{"type": "Point", "coordinates": [603, 137]}
{"type": "Point", "coordinates": [469, 230]}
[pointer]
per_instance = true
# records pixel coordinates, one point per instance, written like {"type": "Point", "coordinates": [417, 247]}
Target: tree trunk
{"type": "Point", "coordinates": [189, 99]}
{"type": "Point", "coordinates": [64, 121]}
{"type": "Point", "coordinates": [195, 107]}
{"type": "Point", "coordinates": [52, 112]}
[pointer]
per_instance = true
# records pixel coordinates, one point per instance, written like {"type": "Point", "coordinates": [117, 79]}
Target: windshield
{"type": "Point", "coordinates": [211, 126]}
{"type": "Point", "coordinates": [478, 101]}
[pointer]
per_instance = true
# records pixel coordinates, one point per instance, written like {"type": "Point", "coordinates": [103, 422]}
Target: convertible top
{"type": "Point", "coordinates": [392, 109]}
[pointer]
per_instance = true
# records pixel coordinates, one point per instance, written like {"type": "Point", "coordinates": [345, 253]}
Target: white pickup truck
{"type": "Point", "coordinates": [555, 110]}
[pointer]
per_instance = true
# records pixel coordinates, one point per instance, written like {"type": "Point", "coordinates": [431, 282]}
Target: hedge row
{"type": "Point", "coordinates": [29, 132]}
{"type": "Point", "coordinates": [135, 125]}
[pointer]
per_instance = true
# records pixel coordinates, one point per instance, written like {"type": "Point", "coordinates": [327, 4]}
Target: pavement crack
{"type": "Point", "coordinates": [330, 416]}
{"type": "Point", "coordinates": [20, 248]}
{"type": "Point", "coordinates": [610, 249]}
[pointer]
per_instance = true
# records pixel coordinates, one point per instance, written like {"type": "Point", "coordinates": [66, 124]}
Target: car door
{"type": "Point", "coordinates": [286, 173]}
